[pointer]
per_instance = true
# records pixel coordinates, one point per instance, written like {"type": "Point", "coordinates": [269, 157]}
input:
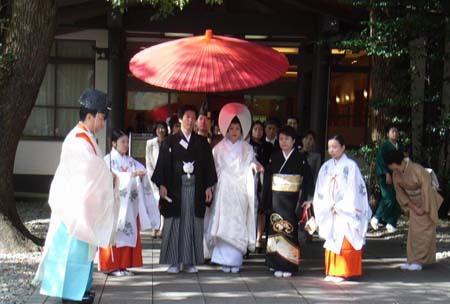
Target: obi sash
{"type": "Point", "coordinates": [286, 182]}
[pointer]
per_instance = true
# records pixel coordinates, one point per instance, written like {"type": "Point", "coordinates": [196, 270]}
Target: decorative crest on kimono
{"type": "Point", "coordinates": [188, 168]}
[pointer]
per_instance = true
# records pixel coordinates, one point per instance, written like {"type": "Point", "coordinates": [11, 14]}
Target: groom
{"type": "Point", "coordinates": [185, 174]}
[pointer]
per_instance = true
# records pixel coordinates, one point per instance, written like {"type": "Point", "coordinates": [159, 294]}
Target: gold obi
{"type": "Point", "coordinates": [286, 182]}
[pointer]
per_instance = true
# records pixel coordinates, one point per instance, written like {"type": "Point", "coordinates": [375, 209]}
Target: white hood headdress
{"type": "Point", "coordinates": [229, 111]}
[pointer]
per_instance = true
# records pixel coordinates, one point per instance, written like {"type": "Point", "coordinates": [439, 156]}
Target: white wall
{"type": "Point", "coordinates": [42, 157]}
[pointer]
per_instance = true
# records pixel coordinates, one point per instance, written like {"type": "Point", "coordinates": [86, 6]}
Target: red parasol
{"type": "Point", "coordinates": [208, 64]}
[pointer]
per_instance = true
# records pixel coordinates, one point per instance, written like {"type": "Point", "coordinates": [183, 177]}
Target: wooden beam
{"type": "Point", "coordinates": [224, 23]}
{"type": "Point", "coordinates": [71, 15]}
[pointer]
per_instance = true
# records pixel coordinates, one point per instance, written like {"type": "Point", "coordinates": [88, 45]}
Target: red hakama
{"type": "Point", "coordinates": [113, 258]}
{"type": "Point", "coordinates": [347, 264]}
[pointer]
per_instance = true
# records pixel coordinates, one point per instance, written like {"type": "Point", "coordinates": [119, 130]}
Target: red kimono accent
{"type": "Point", "coordinates": [113, 258]}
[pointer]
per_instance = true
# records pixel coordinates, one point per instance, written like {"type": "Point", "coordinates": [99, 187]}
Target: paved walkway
{"type": "Point", "coordinates": [383, 282]}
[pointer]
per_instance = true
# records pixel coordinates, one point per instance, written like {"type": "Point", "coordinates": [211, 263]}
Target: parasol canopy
{"type": "Point", "coordinates": [208, 63]}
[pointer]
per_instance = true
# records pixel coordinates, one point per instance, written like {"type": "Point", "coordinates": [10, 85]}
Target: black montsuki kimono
{"type": "Point", "coordinates": [286, 186]}
{"type": "Point", "coordinates": [169, 169]}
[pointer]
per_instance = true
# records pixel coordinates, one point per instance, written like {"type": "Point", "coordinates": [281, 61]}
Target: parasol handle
{"type": "Point", "coordinates": [208, 34]}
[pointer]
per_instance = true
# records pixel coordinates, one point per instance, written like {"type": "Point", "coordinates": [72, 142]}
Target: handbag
{"type": "Point", "coordinates": [308, 221]}
{"type": "Point", "coordinates": [311, 225]}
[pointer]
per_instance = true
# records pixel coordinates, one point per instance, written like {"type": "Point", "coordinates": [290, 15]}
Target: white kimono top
{"type": "Point", "coordinates": [81, 195]}
{"type": "Point", "coordinates": [136, 198]}
{"type": "Point", "coordinates": [340, 187]}
{"type": "Point", "coordinates": [231, 217]}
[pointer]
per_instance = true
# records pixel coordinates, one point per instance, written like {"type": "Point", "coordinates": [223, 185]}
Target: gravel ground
{"type": "Point", "coordinates": [17, 271]}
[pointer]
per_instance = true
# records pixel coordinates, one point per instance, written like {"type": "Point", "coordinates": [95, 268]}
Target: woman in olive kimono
{"type": "Point", "coordinates": [418, 196]}
{"type": "Point", "coordinates": [287, 184]}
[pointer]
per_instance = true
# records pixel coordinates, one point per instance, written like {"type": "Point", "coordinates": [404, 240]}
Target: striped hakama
{"type": "Point", "coordinates": [182, 237]}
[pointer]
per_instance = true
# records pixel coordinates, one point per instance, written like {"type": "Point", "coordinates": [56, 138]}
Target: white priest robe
{"type": "Point", "coordinates": [340, 187]}
{"type": "Point", "coordinates": [230, 222]}
{"type": "Point", "coordinates": [136, 198]}
{"type": "Point", "coordinates": [84, 212]}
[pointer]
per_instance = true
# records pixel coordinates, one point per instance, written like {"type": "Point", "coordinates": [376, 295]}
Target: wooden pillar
{"type": "Point", "coordinates": [320, 94]}
{"type": "Point", "coordinates": [116, 72]}
{"type": "Point", "coordinates": [304, 81]}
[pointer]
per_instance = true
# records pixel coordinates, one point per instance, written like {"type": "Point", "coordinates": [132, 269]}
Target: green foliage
{"type": "Point", "coordinates": [367, 155]}
{"type": "Point", "coordinates": [164, 7]}
{"type": "Point", "coordinates": [392, 24]}
{"type": "Point", "coordinates": [386, 33]}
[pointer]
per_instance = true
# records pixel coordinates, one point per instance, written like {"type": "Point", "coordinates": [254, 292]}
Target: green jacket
{"type": "Point", "coordinates": [381, 168]}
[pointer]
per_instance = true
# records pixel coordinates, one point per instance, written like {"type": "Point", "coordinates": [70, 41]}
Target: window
{"type": "Point", "coordinates": [348, 96]}
{"type": "Point", "coordinates": [70, 70]}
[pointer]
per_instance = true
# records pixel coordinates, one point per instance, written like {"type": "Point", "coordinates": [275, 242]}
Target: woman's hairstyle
{"type": "Point", "coordinates": [309, 132]}
{"type": "Point", "coordinates": [235, 120]}
{"type": "Point", "coordinates": [186, 108]}
{"type": "Point", "coordinates": [160, 124]}
{"type": "Point", "coordinates": [173, 121]}
{"type": "Point", "coordinates": [256, 123]}
{"type": "Point", "coordinates": [288, 131]}
{"type": "Point", "coordinates": [393, 157]}
{"type": "Point", "coordinates": [116, 134]}
{"type": "Point", "coordinates": [339, 139]}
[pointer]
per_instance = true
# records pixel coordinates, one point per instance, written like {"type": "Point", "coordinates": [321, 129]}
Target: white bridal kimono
{"type": "Point", "coordinates": [136, 198]}
{"type": "Point", "coordinates": [340, 186]}
{"type": "Point", "coordinates": [230, 222]}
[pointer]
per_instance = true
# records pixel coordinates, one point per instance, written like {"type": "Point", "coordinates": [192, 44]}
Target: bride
{"type": "Point", "coordinates": [230, 221]}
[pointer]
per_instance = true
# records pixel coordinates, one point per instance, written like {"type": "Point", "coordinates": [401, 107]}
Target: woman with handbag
{"type": "Point", "coordinates": [287, 185]}
{"type": "Point", "coordinates": [342, 213]}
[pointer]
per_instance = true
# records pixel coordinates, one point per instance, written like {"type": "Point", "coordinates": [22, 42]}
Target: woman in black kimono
{"type": "Point", "coordinates": [287, 184]}
{"type": "Point", "coordinates": [262, 150]}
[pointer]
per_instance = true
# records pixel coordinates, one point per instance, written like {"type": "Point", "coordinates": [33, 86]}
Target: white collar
{"type": "Point", "coordinates": [188, 137]}
{"type": "Point", "coordinates": [116, 154]}
{"type": "Point", "coordinates": [340, 160]}
{"type": "Point", "coordinates": [271, 141]}
{"type": "Point", "coordinates": [286, 157]}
